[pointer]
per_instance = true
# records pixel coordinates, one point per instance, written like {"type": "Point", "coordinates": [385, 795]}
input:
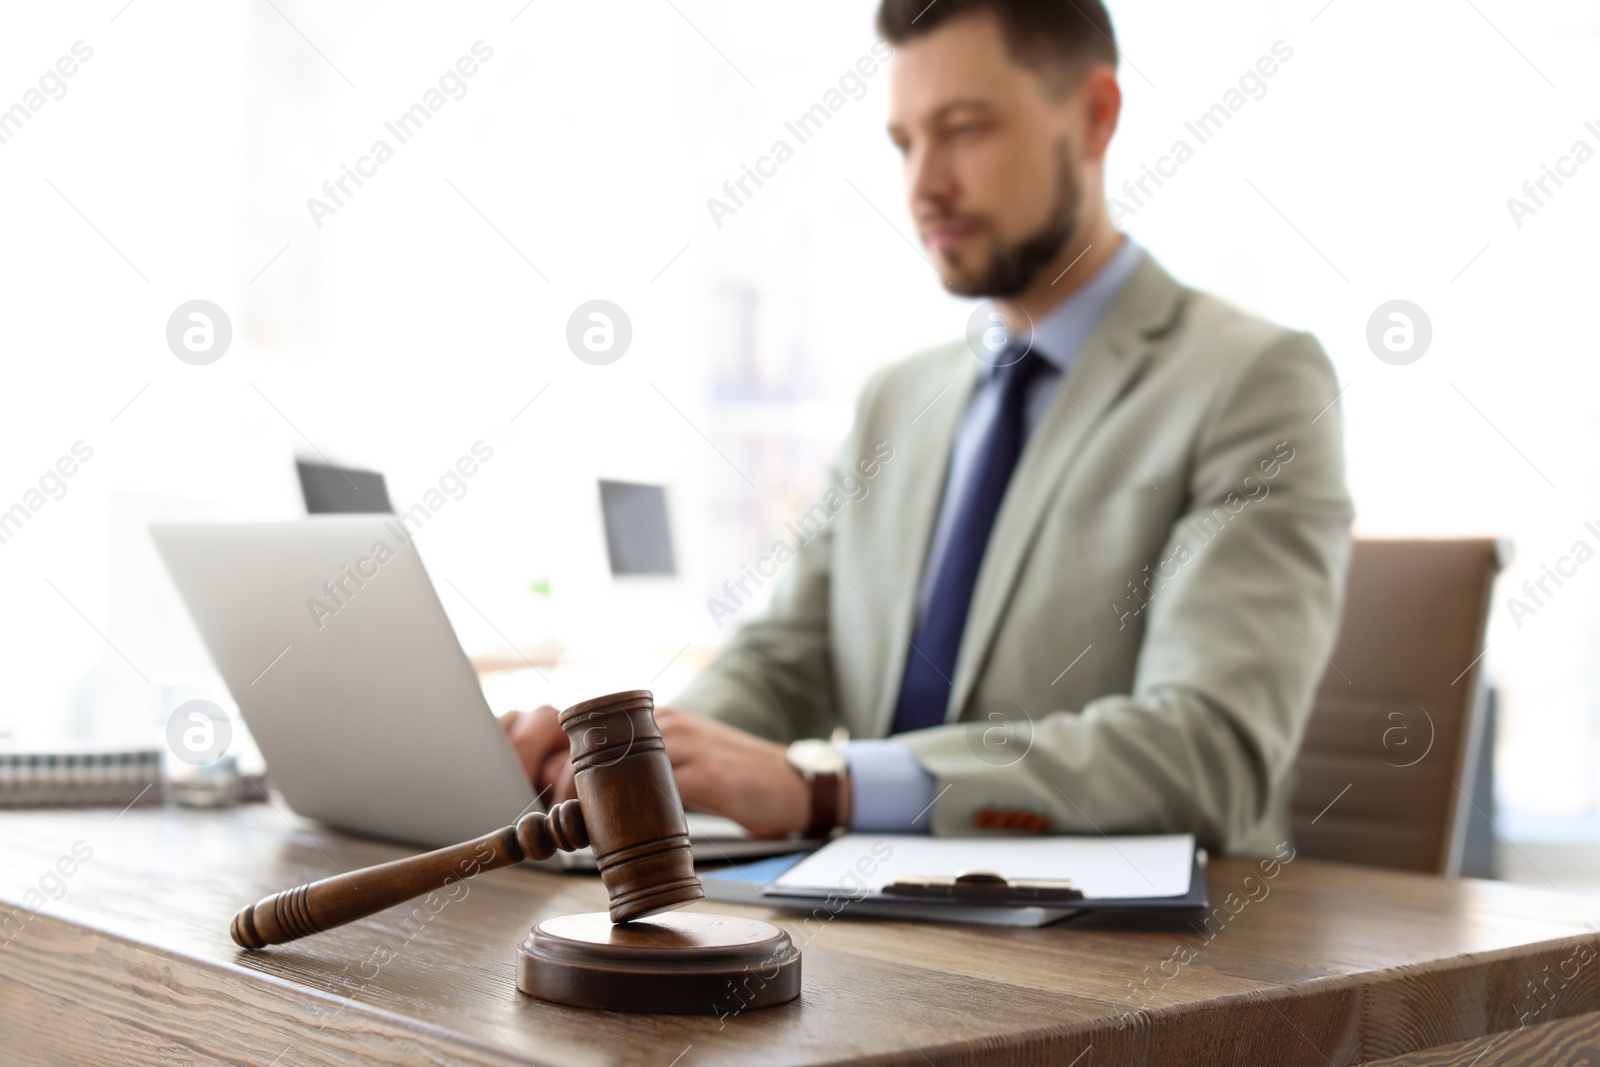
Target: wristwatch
{"type": "Point", "coordinates": [822, 766]}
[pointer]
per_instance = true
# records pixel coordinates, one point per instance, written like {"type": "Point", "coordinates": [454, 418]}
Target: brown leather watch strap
{"type": "Point", "coordinates": [824, 805]}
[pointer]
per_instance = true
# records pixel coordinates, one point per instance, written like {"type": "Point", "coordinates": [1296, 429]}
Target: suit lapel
{"type": "Point", "coordinates": [1110, 361]}
{"type": "Point", "coordinates": [922, 455]}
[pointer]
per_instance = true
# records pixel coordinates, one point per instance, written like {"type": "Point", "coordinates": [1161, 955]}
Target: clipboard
{"type": "Point", "coordinates": [746, 884]}
{"type": "Point", "coordinates": [972, 895]}
{"type": "Point", "coordinates": [984, 887]}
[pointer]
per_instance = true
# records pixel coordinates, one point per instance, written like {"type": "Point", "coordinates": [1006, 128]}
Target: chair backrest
{"type": "Point", "coordinates": [1384, 772]}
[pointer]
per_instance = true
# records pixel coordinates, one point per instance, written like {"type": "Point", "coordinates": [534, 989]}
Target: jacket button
{"type": "Point", "coordinates": [1013, 819]}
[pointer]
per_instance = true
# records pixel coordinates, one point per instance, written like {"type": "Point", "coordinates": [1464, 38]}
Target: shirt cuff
{"type": "Point", "coordinates": [889, 790]}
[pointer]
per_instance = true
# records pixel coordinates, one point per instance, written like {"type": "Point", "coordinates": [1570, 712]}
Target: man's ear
{"type": "Point", "coordinates": [1098, 99]}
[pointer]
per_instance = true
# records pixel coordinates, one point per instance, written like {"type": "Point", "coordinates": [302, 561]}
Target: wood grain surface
{"type": "Point", "coordinates": [1573, 1042]}
{"type": "Point", "coordinates": [128, 960]}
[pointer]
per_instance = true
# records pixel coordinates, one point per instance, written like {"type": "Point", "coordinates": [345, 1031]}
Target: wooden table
{"type": "Point", "coordinates": [1329, 964]}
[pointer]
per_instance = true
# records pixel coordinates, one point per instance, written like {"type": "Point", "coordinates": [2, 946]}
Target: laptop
{"type": "Point", "coordinates": [333, 643]}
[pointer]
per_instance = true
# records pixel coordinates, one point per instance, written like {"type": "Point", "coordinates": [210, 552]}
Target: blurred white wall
{"type": "Point", "coordinates": [428, 312]}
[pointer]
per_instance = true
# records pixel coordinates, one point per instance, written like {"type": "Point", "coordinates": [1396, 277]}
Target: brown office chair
{"type": "Point", "coordinates": [1398, 717]}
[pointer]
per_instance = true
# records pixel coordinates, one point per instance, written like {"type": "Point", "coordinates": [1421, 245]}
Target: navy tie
{"type": "Point", "coordinates": [931, 660]}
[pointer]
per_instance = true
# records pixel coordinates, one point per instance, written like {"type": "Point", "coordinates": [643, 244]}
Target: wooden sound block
{"type": "Point", "coordinates": [680, 963]}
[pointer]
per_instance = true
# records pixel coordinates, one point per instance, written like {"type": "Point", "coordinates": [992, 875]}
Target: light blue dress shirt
{"type": "Point", "coordinates": [890, 791]}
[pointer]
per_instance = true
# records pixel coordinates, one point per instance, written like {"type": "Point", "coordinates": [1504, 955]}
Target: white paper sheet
{"type": "Point", "coordinates": [1101, 867]}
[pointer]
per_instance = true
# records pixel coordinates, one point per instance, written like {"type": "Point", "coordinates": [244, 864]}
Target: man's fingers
{"type": "Point", "coordinates": [534, 735]}
{"type": "Point", "coordinates": [672, 720]}
{"type": "Point", "coordinates": [692, 791]}
{"type": "Point", "coordinates": [682, 748]}
{"type": "Point", "coordinates": [555, 779]}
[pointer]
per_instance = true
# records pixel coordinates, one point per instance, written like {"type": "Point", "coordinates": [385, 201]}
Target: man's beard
{"type": "Point", "coordinates": [1012, 269]}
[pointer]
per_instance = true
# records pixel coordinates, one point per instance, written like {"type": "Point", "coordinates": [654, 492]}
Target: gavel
{"type": "Point", "coordinates": [628, 811]}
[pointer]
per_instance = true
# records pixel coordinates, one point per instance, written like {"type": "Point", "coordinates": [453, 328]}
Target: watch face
{"type": "Point", "coordinates": [816, 757]}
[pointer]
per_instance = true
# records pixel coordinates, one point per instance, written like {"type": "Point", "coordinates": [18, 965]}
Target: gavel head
{"type": "Point", "coordinates": [630, 805]}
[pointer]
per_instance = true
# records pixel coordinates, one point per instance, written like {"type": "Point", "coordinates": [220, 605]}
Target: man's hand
{"type": "Point", "coordinates": [542, 747]}
{"type": "Point", "coordinates": [723, 770]}
{"type": "Point", "coordinates": [719, 769]}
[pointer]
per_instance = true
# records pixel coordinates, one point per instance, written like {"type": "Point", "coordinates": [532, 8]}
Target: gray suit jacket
{"type": "Point", "coordinates": [1159, 595]}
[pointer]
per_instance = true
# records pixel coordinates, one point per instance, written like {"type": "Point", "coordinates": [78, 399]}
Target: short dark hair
{"type": "Point", "coordinates": [1054, 38]}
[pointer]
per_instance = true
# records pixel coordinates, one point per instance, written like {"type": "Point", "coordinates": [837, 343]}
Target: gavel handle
{"type": "Point", "coordinates": [322, 905]}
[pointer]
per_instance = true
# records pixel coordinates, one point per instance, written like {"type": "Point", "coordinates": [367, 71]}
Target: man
{"type": "Point", "coordinates": [1093, 588]}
